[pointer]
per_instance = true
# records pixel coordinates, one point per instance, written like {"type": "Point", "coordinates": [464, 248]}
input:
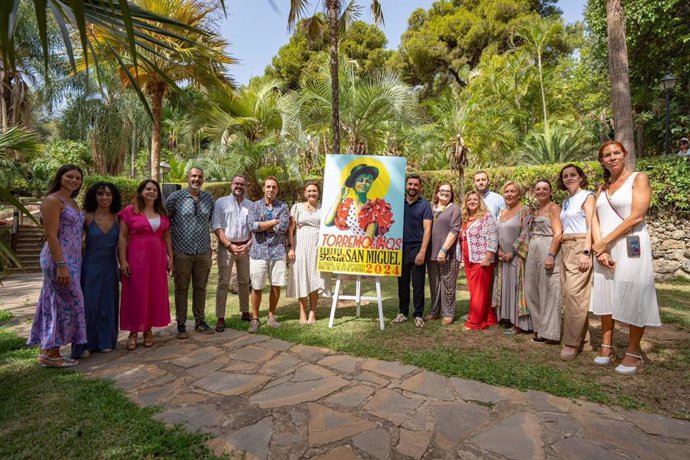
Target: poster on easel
{"type": "Point", "coordinates": [363, 215]}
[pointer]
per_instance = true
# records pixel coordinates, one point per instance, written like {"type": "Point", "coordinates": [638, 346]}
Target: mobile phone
{"type": "Point", "coordinates": [632, 243]}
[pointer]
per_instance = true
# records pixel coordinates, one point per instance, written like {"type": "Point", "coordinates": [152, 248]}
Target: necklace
{"type": "Point", "coordinates": [309, 207]}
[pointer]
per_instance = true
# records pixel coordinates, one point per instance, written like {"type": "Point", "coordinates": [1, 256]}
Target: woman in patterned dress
{"type": "Point", "coordinates": [360, 215]}
{"type": "Point", "coordinates": [305, 281]}
{"type": "Point", "coordinates": [59, 317]}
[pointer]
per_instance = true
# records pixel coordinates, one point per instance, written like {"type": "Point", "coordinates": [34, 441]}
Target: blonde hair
{"type": "Point", "coordinates": [481, 212]}
{"type": "Point", "coordinates": [520, 189]}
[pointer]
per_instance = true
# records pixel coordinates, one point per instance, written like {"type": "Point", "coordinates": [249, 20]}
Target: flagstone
{"type": "Point", "coordinates": [202, 370]}
{"type": "Point", "coordinates": [241, 367]}
{"type": "Point", "coordinates": [251, 442]}
{"type": "Point", "coordinates": [518, 436]}
{"type": "Point", "coordinates": [244, 340]}
{"type": "Point", "coordinates": [310, 353]}
{"type": "Point", "coordinates": [169, 352]}
{"type": "Point", "coordinates": [477, 391]}
{"type": "Point", "coordinates": [292, 393]}
{"type": "Point", "coordinates": [576, 449]}
{"type": "Point", "coordinates": [199, 356]}
{"type": "Point", "coordinates": [376, 443]}
{"type": "Point", "coordinates": [153, 396]}
{"type": "Point", "coordinates": [339, 453]}
{"type": "Point", "coordinates": [327, 425]}
{"type": "Point", "coordinates": [311, 372]}
{"type": "Point", "coordinates": [622, 434]}
{"type": "Point", "coordinates": [130, 376]}
{"type": "Point", "coordinates": [253, 354]}
{"type": "Point", "coordinates": [393, 370]}
{"type": "Point", "coordinates": [343, 363]}
{"type": "Point", "coordinates": [454, 421]}
{"type": "Point", "coordinates": [413, 443]}
{"type": "Point", "coordinates": [660, 426]}
{"type": "Point", "coordinates": [544, 402]}
{"type": "Point", "coordinates": [352, 397]}
{"type": "Point", "coordinates": [228, 334]}
{"type": "Point", "coordinates": [280, 363]}
{"type": "Point", "coordinates": [370, 377]}
{"type": "Point", "coordinates": [231, 384]}
{"type": "Point", "coordinates": [428, 384]}
{"type": "Point", "coordinates": [391, 405]}
{"type": "Point", "coordinates": [275, 344]}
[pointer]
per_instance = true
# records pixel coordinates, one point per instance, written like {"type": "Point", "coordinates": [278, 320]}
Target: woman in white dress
{"type": "Point", "coordinates": [624, 275]}
{"type": "Point", "coordinates": [305, 281]}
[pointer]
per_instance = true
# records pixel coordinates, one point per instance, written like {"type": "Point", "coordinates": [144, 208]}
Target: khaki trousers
{"type": "Point", "coordinates": [194, 267]}
{"type": "Point", "coordinates": [576, 288]}
{"type": "Point", "coordinates": [225, 263]}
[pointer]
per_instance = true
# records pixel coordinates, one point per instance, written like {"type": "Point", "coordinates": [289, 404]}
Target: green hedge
{"type": "Point", "coordinates": [669, 176]}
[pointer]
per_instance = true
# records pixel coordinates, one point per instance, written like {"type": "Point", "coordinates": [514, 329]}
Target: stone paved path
{"type": "Point", "coordinates": [262, 398]}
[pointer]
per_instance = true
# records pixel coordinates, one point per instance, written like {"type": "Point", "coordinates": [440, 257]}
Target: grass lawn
{"type": "Point", "coordinates": [52, 413]}
{"type": "Point", "coordinates": [491, 357]}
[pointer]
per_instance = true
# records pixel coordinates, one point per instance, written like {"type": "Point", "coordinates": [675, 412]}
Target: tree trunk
{"type": "Point", "coordinates": [96, 156]}
{"type": "Point", "coordinates": [620, 80]}
{"type": "Point", "coordinates": [543, 94]}
{"type": "Point", "coordinates": [157, 95]}
{"type": "Point", "coordinates": [333, 9]}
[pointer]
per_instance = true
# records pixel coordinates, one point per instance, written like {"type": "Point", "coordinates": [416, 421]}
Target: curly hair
{"type": "Point", "coordinates": [91, 203]}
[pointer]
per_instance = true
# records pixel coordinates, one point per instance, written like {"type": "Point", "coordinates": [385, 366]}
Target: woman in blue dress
{"type": "Point", "coordinates": [99, 270]}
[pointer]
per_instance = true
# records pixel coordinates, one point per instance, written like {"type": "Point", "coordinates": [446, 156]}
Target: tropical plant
{"type": "Point", "coordinates": [338, 18]}
{"type": "Point", "coordinates": [555, 143]}
{"type": "Point", "coordinates": [371, 107]}
{"type": "Point", "coordinates": [167, 60]}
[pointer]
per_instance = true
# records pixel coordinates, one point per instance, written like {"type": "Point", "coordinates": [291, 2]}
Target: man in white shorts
{"type": "Point", "coordinates": [268, 220]}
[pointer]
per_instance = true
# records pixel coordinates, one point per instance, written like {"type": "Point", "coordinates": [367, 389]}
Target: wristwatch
{"type": "Point", "coordinates": [586, 252]}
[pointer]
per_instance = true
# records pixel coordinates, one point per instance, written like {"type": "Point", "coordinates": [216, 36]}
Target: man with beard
{"type": "Point", "coordinates": [231, 226]}
{"type": "Point", "coordinates": [416, 236]}
{"type": "Point", "coordinates": [493, 200]}
{"type": "Point", "coordinates": [190, 213]}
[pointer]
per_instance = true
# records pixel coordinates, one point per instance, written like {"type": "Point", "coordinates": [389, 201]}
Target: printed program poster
{"type": "Point", "coordinates": [362, 215]}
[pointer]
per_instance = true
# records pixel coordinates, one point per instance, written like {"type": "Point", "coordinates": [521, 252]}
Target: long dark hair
{"type": "Point", "coordinates": [56, 183]}
{"type": "Point", "coordinates": [606, 172]}
{"type": "Point", "coordinates": [91, 203]}
{"type": "Point", "coordinates": [140, 205]}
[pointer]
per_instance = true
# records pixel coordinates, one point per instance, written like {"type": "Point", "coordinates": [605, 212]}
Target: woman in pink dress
{"type": "Point", "coordinates": [145, 253]}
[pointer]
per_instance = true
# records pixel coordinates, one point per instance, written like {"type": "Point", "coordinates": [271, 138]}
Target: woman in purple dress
{"type": "Point", "coordinates": [59, 317]}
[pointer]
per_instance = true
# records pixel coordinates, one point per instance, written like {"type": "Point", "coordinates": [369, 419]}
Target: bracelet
{"type": "Point", "coordinates": [551, 254]}
{"type": "Point", "coordinates": [444, 250]}
{"type": "Point", "coordinates": [61, 263]}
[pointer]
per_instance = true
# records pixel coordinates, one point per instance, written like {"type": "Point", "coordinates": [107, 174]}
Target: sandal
{"type": "Point", "coordinates": [629, 370]}
{"type": "Point", "coordinates": [58, 363]}
{"type": "Point", "coordinates": [605, 360]}
{"type": "Point", "coordinates": [132, 341]}
{"type": "Point", "coordinates": [148, 339]}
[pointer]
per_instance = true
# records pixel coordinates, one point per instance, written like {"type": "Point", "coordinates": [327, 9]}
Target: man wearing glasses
{"type": "Point", "coordinates": [231, 226]}
{"type": "Point", "coordinates": [268, 220]}
{"type": "Point", "coordinates": [190, 212]}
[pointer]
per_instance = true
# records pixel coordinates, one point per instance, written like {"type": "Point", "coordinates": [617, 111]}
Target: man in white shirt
{"type": "Point", "coordinates": [493, 201]}
{"type": "Point", "coordinates": [230, 225]}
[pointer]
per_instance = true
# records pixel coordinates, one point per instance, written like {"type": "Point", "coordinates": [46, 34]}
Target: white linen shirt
{"type": "Point", "coordinates": [494, 202]}
{"type": "Point", "coordinates": [232, 217]}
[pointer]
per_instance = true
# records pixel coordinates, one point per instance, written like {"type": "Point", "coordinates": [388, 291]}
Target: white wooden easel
{"type": "Point", "coordinates": [357, 297]}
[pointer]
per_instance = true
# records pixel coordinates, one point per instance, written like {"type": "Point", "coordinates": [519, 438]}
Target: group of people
{"type": "Point", "coordinates": [537, 269]}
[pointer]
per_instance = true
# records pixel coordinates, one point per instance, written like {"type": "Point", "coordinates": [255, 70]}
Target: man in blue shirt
{"type": "Point", "coordinates": [416, 236]}
{"type": "Point", "coordinates": [190, 213]}
{"type": "Point", "coordinates": [268, 221]}
{"type": "Point", "coordinates": [493, 201]}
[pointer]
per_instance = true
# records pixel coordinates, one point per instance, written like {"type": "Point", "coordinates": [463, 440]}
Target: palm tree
{"type": "Point", "coordinates": [371, 107]}
{"type": "Point", "coordinates": [538, 36]}
{"type": "Point", "coordinates": [314, 25]}
{"type": "Point", "coordinates": [171, 61]}
{"type": "Point", "coordinates": [620, 78]}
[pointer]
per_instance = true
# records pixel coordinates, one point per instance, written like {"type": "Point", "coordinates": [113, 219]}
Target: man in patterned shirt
{"type": "Point", "coordinates": [268, 220]}
{"type": "Point", "coordinates": [190, 212]}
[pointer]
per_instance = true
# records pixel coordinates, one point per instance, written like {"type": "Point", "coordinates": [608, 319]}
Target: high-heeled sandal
{"type": "Point", "coordinates": [148, 339]}
{"type": "Point", "coordinates": [132, 342]}
{"type": "Point", "coordinates": [606, 360]}
{"type": "Point", "coordinates": [629, 370]}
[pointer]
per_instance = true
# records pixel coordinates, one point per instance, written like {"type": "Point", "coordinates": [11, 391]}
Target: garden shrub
{"type": "Point", "coordinates": [127, 187]}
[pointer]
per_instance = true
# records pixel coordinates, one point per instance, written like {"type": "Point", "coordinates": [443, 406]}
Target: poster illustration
{"type": "Point", "coordinates": [362, 215]}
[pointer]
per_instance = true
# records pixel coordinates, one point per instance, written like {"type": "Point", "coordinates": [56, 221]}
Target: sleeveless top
{"type": "Point", "coordinates": [573, 214]}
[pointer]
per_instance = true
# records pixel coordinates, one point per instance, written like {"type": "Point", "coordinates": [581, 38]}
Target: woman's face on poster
{"type": "Point", "coordinates": [363, 183]}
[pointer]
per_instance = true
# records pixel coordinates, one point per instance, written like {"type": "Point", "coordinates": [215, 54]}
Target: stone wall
{"type": "Point", "coordinates": [670, 246]}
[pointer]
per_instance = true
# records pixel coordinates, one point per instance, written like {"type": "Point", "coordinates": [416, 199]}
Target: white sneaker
{"type": "Point", "coordinates": [418, 322]}
{"type": "Point", "coordinates": [399, 319]}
